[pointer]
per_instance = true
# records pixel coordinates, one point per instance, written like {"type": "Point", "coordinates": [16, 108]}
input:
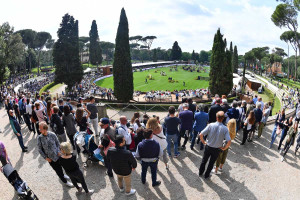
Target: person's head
{"type": "Point", "coordinates": [60, 102]}
{"type": "Point", "coordinates": [266, 105]}
{"type": "Point", "coordinates": [66, 148]}
{"type": "Point", "coordinates": [251, 117]}
{"type": "Point", "coordinates": [282, 111]}
{"type": "Point", "coordinates": [119, 141]}
{"type": "Point", "coordinates": [255, 96]}
{"type": "Point", "coordinates": [190, 100]}
{"type": "Point", "coordinates": [224, 96]}
{"type": "Point", "coordinates": [67, 110]}
{"type": "Point", "coordinates": [224, 101]}
{"type": "Point", "coordinates": [220, 116]}
{"type": "Point", "coordinates": [123, 120]}
{"type": "Point", "coordinates": [140, 132]}
{"type": "Point", "coordinates": [11, 113]}
{"type": "Point", "coordinates": [201, 107]}
{"type": "Point", "coordinates": [148, 133]}
{"type": "Point", "coordinates": [104, 123]}
{"type": "Point", "coordinates": [290, 119]}
{"type": "Point", "coordinates": [137, 121]}
{"type": "Point", "coordinates": [171, 110]}
{"type": "Point", "coordinates": [185, 106]}
{"type": "Point", "coordinates": [231, 125]}
{"type": "Point", "coordinates": [28, 101]}
{"type": "Point", "coordinates": [42, 98]}
{"type": "Point", "coordinates": [217, 96]}
{"type": "Point", "coordinates": [136, 115]}
{"type": "Point", "coordinates": [184, 100]}
{"type": "Point", "coordinates": [92, 99]}
{"type": "Point", "coordinates": [79, 114]}
{"type": "Point", "coordinates": [239, 103]}
{"type": "Point", "coordinates": [54, 98]}
{"type": "Point", "coordinates": [218, 100]}
{"type": "Point", "coordinates": [234, 104]}
{"type": "Point", "coordinates": [258, 105]}
{"type": "Point", "coordinates": [38, 97]}
{"type": "Point", "coordinates": [68, 100]}
{"type": "Point", "coordinates": [259, 99]}
{"type": "Point", "coordinates": [43, 128]}
{"type": "Point", "coordinates": [55, 109]}
{"type": "Point", "coordinates": [153, 124]}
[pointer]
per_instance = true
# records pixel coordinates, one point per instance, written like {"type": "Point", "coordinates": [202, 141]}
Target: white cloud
{"type": "Point", "coordinates": [192, 23]}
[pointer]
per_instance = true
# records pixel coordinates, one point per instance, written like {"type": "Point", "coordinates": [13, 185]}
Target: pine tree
{"type": "Point", "coordinates": [176, 52]}
{"type": "Point", "coordinates": [235, 60]}
{"type": "Point", "coordinates": [122, 68]}
{"type": "Point", "coordinates": [154, 55]}
{"type": "Point", "coordinates": [95, 48]}
{"type": "Point", "coordinates": [220, 67]}
{"type": "Point", "coordinates": [66, 53]}
{"type": "Point", "coordinates": [193, 56]}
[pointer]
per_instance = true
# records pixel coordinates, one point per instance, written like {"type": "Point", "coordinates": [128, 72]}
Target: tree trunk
{"type": "Point", "coordinates": [39, 63]}
{"type": "Point", "coordinates": [296, 64]}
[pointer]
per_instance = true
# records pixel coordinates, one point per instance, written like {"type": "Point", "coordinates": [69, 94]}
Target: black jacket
{"type": "Point", "coordinates": [57, 124]}
{"type": "Point", "coordinates": [122, 160]}
{"type": "Point", "coordinates": [213, 111]}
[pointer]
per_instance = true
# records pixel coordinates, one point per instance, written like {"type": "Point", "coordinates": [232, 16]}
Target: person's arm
{"type": "Point", "coordinates": [6, 156]}
{"type": "Point", "coordinates": [57, 144]}
{"type": "Point", "coordinates": [137, 155]}
{"type": "Point", "coordinates": [40, 147]}
{"type": "Point", "coordinates": [202, 139]}
{"type": "Point", "coordinates": [161, 152]}
{"type": "Point", "coordinates": [132, 161]}
{"type": "Point", "coordinates": [14, 128]}
{"type": "Point", "coordinates": [88, 113]}
{"type": "Point", "coordinates": [227, 146]}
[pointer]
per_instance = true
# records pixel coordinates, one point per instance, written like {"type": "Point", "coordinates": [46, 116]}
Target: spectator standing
{"type": "Point", "coordinates": [57, 125]}
{"type": "Point", "coordinates": [171, 124]}
{"type": "Point", "coordinates": [122, 162]}
{"type": "Point", "coordinates": [201, 120]}
{"type": "Point", "coordinates": [17, 130]}
{"type": "Point", "coordinates": [186, 117]}
{"type": "Point", "coordinates": [71, 167]}
{"type": "Point", "coordinates": [149, 151]}
{"type": "Point", "coordinates": [69, 123]}
{"type": "Point", "coordinates": [123, 130]}
{"type": "Point", "coordinates": [258, 117]}
{"type": "Point", "coordinates": [216, 132]}
{"type": "Point", "coordinates": [266, 114]}
{"type": "Point", "coordinates": [248, 126]}
{"type": "Point", "coordinates": [213, 110]}
{"type": "Point", "coordinates": [48, 146]}
{"type": "Point", "coordinates": [82, 121]}
{"type": "Point", "coordinates": [94, 115]}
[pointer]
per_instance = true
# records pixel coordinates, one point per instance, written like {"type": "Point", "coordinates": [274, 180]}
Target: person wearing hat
{"type": "Point", "coordinates": [110, 131]}
{"type": "Point", "coordinates": [213, 110]}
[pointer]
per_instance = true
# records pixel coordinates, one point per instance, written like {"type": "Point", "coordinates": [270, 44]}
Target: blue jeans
{"type": "Point", "coordinates": [195, 134]}
{"type": "Point", "coordinates": [174, 139]}
{"type": "Point", "coordinates": [153, 167]}
{"type": "Point", "coordinates": [20, 138]}
{"type": "Point", "coordinates": [273, 136]}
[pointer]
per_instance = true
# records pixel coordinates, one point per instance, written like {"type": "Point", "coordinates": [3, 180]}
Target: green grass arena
{"type": "Point", "coordinates": [160, 82]}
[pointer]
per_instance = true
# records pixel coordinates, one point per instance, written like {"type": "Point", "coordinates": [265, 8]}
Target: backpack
{"type": "Point", "coordinates": [117, 130]}
{"type": "Point", "coordinates": [53, 125]}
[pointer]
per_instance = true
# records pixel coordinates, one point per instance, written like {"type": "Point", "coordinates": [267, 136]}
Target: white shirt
{"type": "Point", "coordinates": [161, 139]}
{"type": "Point", "coordinates": [125, 133]}
{"type": "Point", "coordinates": [29, 109]}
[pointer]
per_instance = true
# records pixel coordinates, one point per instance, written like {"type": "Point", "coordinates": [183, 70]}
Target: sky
{"type": "Point", "coordinates": [193, 23]}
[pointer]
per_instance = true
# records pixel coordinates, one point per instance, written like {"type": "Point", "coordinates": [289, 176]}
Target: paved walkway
{"type": "Point", "coordinates": [251, 172]}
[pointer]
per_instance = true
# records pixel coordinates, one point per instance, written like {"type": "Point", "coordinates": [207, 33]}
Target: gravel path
{"type": "Point", "coordinates": [251, 172]}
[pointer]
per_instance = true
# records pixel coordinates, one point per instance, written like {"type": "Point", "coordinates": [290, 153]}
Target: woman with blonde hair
{"type": "Point", "coordinates": [159, 137]}
{"type": "Point", "coordinates": [231, 125]}
{"type": "Point", "coordinates": [71, 167]}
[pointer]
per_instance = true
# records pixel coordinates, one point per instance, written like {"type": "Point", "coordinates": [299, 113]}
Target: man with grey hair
{"type": "Point", "coordinates": [186, 117]}
{"type": "Point", "coordinates": [259, 100]}
{"type": "Point", "coordinates": [123, 130]}
{"type": "Point", "coordinates": [262, 123]}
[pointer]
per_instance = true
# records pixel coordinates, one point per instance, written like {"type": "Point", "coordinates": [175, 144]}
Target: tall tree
{"type": "Point", "coordinates": [203, 57]}
{"type": "Point", "coordinates": [194, 56]}
{"type": "Point", "coordinates": [154, 55]}
{"type": "Point", "coordinates": [122, 68]}
{"type": "Point", "coordinates": [259, 53]}
{"type": "Point", "coordinates": [176, 52]}
{"type": "Point", "coordinates": [220, 67]}
{"type": "Point", "coordinates": [66, 53]}
{"type": "Point", "coordinates": [39, 43]}
{"type": "Point", "coordinates": [148, 40]}
{"type": "Point", "coordinates": [95, 48]}
{"type": "Point", "coordinates": [235, 60]}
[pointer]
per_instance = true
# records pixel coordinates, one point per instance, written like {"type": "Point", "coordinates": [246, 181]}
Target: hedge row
{"type": "Point", "coordinates": [46, 87]}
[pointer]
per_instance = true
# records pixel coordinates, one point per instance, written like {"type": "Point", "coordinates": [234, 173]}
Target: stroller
{"type": "Point", "coordinates": [23, 191]}
{"type": "Point", "coordinates": [86, 143]}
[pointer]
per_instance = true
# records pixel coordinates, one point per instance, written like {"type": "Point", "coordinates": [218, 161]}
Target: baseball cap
{"type": "Point", "coordinates": [104, 121]}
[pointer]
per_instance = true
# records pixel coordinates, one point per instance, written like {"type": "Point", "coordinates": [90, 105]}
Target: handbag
{"type": "Point", "coordinates": [89, 131]}
{"type": "Point", "coordinates": [279, 129]}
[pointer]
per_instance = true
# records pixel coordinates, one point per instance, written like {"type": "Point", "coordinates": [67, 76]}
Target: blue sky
{"type": "Point", "coordinates": [192, 23]}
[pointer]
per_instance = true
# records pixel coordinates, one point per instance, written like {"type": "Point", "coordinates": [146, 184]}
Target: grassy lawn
{"type": "Point", "coordinates": [35, 70]}
{"type": "Point", "coordinates": [52, 89]}
{"type": "Point", "coordinates": [161, 82]}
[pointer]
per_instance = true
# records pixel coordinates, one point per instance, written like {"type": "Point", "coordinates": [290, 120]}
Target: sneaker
{"type": "Point", "coordinates": [176, 155]}
{"type": "Point", "coordinates": [282, 159]}
{"type": "Point", "coordinates": [207, 178]}
{"type": "Point", "coordinates": [122, 190]}
{"type": "Point", "coordinates": [213, 171]}
{"type": "Point", "coordinates": [69, 184]}
{"type": "Point", "coordinates": [79, 189]}
{"type": "Point", "coordinates": [132, 191]}
{"type": "Point", "coordinates": [170, 155]}
{"type": "Point", "coordinates": [192, 148]}
{"type": "Point", "coordinates": [280, 152]}
{"type": "Point", "coordinates": [167, 166]}
{"type": "Point", "coordinates": [66, 177]}
{"type": "Point", "coordinates": [220, 169]}
{"type": "Point", "coordinates": [24, 150]}
{"type": "Point", "coordinates": [91, 192]}
{"type": "Point", "coordinates": [183, 148]}
{"type": "Point", "coordinates": [156, 184]}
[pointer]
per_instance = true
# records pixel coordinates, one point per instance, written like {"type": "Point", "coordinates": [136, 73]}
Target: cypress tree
{"type": "Point", "coordinates": [176, 52]}
{"type": "Point", "coordinates": [122, 68]}
{"type": "Point", "coordinates": [194, 56]}
{"type": "Point", "coordinates": [66, 53]}
{"type": "Point", "coordinates": [95, 48]}
{"type": "Point", "coordinates": [235, 60]}
{"type": "Point", "coordinates": [220, 67]}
